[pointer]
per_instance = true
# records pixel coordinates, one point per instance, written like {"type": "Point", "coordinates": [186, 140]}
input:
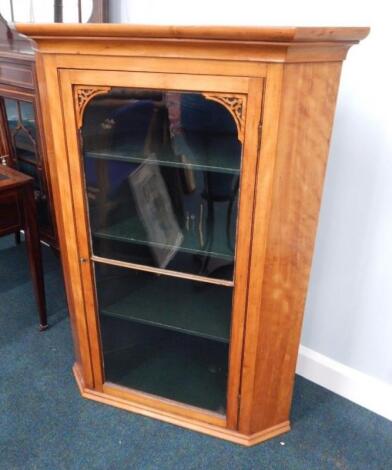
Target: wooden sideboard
{"type": "Point", "coordinates": [187, 165]}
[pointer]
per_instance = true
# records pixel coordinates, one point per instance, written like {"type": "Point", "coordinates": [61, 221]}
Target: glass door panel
{"type": "Point", "coordinates": [21, 123]}
{"type": "Point", "coordinates": [28, 118]}
{"type": "Point", "coordinates": [161, 174]}
{"type": "Point", "coordinates": [23, 133]}
{"type": "Point", "coordinates": [164, 335]}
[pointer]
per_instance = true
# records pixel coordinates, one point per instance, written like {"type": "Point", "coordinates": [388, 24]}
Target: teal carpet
{"type": "Point", "coordinates": [45, 424]}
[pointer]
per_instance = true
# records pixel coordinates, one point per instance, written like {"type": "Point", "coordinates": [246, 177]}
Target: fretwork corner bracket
{"type": "Point", "coordinates": [236, 105]}
{"type": "Point", "coordinates": [82, 95]}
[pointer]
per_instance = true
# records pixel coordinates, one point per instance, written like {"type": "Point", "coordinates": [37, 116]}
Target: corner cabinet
{"type": "Point", "coordinates": [187, 167]}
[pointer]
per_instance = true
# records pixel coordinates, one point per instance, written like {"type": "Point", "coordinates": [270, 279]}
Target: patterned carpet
{"type": "Point", "coordinates": [45, 424]}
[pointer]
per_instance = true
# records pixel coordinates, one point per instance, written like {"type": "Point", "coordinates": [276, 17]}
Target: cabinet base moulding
{"type": "Point", "coordinates": [211, 430]}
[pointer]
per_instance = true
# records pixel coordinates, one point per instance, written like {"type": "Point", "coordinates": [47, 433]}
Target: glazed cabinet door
{"type": "Point", "coordinates": [163, 169]}
{"type": "Point", "coordinates": [23, 151]}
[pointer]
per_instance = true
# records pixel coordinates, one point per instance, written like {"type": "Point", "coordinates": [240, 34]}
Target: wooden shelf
{"type": "Point", "coordinates": [173, 304]}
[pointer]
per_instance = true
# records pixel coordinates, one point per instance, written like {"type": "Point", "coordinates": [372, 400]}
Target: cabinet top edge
{"type": "Point", "coordinates": [222, 33]}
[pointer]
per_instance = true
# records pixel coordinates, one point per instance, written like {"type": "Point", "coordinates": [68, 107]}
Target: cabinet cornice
{"type": "Point", "coordinates": [268, 44]}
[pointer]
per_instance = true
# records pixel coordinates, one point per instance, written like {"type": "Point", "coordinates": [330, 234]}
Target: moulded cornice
{"type": "Point", "coordinates": [267, 44]}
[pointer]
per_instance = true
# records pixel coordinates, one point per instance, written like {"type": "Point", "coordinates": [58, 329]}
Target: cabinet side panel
{"type": "Point", "coordinates": [263, 194]}
{"type": "Point", "coordinates": [307, 109]}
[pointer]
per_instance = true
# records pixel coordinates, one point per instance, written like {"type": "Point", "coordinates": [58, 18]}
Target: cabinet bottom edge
{"type": "Point", "coordinates": [205, 428]}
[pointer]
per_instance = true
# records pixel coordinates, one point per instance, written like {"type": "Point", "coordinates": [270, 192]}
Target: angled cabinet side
{"type": "Point", "coordinates": [280, 272]}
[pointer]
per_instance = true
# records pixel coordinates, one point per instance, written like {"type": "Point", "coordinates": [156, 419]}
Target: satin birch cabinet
{"type": "Point", "coordinates": [187, 167]}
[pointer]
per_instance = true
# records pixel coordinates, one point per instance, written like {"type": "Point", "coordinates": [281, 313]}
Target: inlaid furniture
{"type": "Point", "coordinates": [187, 167]}
{"type": "Point", "coordinates": [18, 212]}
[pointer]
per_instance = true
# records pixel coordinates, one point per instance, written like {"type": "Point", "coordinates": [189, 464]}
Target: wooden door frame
{"type": "Point", "coordinates": [87, 324]}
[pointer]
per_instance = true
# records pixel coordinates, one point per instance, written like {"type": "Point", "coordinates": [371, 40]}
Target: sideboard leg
{"type": "Point", "coordinates": [34, 254]}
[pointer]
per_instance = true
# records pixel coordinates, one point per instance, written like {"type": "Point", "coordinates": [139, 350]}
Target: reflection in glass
{"type": "Point", "coordinates": [162, 175]}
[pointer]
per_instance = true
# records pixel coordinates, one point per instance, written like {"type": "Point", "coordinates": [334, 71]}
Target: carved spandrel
{"type": "Point", "coordinates": [236, 105]}
{"type": "Point", "coordinates": [82, 95]}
